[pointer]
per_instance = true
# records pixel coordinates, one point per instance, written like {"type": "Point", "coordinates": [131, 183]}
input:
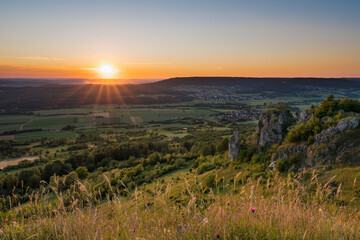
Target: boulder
{"type": "Point", "coordinates": [348, 124]}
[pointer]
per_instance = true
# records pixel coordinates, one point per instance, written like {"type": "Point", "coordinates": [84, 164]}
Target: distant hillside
{"type": "Point", "coordinates": [38, 82]}
{"type": "Point", "coordinates": [259, 83]}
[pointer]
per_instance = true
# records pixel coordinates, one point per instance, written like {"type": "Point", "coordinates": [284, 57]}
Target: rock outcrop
{"type": "Point", "coordinates": [348, 124]}
{"type": "Point", "coordinates": [234, 144]}
{"type": "Point", "coordinates": [332, 145]}
{"type": "Point", "coordinates": [304, 116]}
{"type": "Point", "coordinates": [272, 127]}
{"type": "Point", "coordinates": [345, 124]}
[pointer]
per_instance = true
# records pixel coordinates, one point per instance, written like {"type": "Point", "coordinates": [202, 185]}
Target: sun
{"type": "Point", "coordinates": [107, 71]}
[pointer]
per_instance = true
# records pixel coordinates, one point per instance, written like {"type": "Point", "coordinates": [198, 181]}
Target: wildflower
{"type": "Point", "coordinates": [216, 235]}
{"type": "Point", "coordinates": [6, 220]}
{"type": "Point", "coordinates": [253, 209]}
{"type": "Point", "coordinates": [13, 219]}
{"type": "Point", "coordinates": [195, 230]}
{"type": "Point", "coordinates": [275, 207]}
{"type": "Point", "coordinates": [134, 229]}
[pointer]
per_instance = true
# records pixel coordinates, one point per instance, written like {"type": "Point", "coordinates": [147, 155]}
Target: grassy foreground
{"type": "Point", "coordinates": [274, 209]}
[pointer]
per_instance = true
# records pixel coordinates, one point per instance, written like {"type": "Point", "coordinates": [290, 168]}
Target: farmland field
{"type": "Point", "coordinates": [15, 161]}
{"type": "Point", "coordinates": [51, 122]}
{"type": "Point", "coordinates": [13, 119]}
{"type": "Point", "coordinates": [44, 134]}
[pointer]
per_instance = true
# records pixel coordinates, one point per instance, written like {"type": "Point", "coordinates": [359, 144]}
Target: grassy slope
{"type": "Point", "coordinates": [180, 208]}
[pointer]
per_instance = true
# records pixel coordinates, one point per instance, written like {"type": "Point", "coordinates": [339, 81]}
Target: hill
{"type": "Point", "coordinates": [278, 84]}
{"type": "Point", "coordinates": [145, 186]}
{"type": "Point", "coordinates": [19, 96]}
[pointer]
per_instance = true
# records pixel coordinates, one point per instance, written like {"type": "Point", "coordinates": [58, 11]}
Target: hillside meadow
{"type": "Point", "coordinates": [277, 209]}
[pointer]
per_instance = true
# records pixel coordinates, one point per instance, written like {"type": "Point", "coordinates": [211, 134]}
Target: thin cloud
{"type": "Point", "coordinates": [147, 63]}
{"type": "Point", "coordinates": [96, 69]}
{"type": "Point", "coordinates": [33, 58]}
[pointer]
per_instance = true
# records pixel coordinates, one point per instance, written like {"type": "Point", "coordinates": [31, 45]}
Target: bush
{"type": "Point", "coordinates": [206, 150]}
{"type": "Point", "coordinates": [205, 167]}
{"type": "Point", "coordinates": [285, 164]}
{"type": "Point", "coordinates": [82, 172]}
{"type": "Point", "coordinates": [70, 179]}
{"type": "Point", "coordinates": [281, 165]}
{"type": "Point", "coordinates": [78, 147]}
{"type": "Point", "coordinates": [209, 181]}
{"type": "Point", "coordinates": [223, 145]}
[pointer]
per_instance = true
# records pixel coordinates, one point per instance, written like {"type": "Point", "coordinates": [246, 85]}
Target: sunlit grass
{"type": "Point", "coordinates": [284, 210]}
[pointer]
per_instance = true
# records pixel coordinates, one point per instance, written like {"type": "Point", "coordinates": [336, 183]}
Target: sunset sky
{"type": "Point", "coordinates": [155, 39]}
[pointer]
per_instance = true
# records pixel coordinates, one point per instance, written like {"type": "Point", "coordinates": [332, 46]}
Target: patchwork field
{"type": "Point", "coordinates": [44, 134]}
{"type": "Point", "coordinates": [15, 161]}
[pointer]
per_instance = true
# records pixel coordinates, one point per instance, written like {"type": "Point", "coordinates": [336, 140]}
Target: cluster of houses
{"type": "Point", "coordinates": [247, 115]}
{"type": "Point", "coordinates": [224, 94]}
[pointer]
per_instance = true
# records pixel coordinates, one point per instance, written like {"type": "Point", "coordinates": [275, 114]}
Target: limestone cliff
{"type": "Point", "coordinates": [272, 127]}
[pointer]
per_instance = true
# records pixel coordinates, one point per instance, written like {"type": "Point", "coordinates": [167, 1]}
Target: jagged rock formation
{"type": "Point", "coordinates": [272, 127]}
{"type": "Point", "coordinates": [348, 123]}
{"type": "Point", "coordinates": [234, 144]}
{"type": "Point", "coordinates": [345, 124]}
{"type": "Point", "coordinates": [333, 145]}
{"type": "Point", "coordinates": [304, 116]}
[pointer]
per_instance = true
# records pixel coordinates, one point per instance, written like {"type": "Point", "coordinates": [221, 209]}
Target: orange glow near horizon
{"type": "Point", "coordinates": [109, 71]}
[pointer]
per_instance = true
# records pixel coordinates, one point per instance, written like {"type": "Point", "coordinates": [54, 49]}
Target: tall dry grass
{"type": "Point", "coordinates": [285, 209]}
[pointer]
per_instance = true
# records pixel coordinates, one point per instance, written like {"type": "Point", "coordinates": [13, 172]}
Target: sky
{"type": "Point", "coordinates": [156, 39]}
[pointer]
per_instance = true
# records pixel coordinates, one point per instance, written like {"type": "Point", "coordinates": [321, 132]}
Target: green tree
{"type": "Point", "coordinates": [70, 179]}
{"type": "Point", "coordinates": [188, 145]}
{"type": "Point", "coordinates": [82, 172]}
{"type": "Point", "coordinates": [205, 150]}
{"type": "Point", "coordinates": [223, 145]}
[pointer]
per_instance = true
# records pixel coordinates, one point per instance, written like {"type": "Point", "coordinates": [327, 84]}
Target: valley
{"type": "Point", "coordinates": [194, 167]}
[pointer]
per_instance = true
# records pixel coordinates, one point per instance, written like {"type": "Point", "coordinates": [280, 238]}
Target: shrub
{"type": "Point", "coordinates": [82, 172]}
{"type": "Point", "coordinates": [281, 165]}
{"type": "Point", "coordinates": [205, 150]}
{"type": "Point", "coordinates": [205, 167]}
{"type": "Point", "coordinates": [209, 181]}
{"type": "Point", "coordinates": [70, 179]}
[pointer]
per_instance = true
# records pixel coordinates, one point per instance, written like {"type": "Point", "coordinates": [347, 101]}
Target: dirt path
{"type": "Point", "coordinates": [22, 125]}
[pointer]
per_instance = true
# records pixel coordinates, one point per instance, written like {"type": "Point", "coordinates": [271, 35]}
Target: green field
{"type": "Point", "coordinates": [102, 119]}
{"type": "Point", "coordinates": [110, 115]}
{"type": "Point", "coordinates": [13, 119]}
{"type": "Point", "coordinates": [51, 122]}
{"type": "Point", "coordinates": [12, 122]}
{"type": "Point", "coordinates": [44, 134]}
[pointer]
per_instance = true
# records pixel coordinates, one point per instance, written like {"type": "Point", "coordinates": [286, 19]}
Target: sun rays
{"type": "Point", "coordinates": [99, 94]}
